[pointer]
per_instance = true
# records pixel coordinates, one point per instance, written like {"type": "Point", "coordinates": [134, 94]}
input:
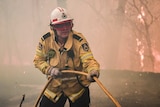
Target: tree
{"type": "Point", "coordinates": [141, 16]}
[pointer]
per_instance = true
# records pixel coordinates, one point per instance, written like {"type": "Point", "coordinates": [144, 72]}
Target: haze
{"type": "Point", "coordinates": [113, 35]}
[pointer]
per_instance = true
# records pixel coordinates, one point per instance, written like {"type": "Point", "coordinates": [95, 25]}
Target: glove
{"type": "Point", "coordinates": [54, 72]}
{"type": "Point", "coordinates": [92, 74]}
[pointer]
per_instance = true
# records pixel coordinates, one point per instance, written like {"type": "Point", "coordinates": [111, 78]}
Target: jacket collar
{"type": "Point", "coordinates": [69, 42]}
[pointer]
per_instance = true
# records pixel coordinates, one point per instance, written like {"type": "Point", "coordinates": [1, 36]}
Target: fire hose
{"type": "Point", "coordinates": [81, 73]}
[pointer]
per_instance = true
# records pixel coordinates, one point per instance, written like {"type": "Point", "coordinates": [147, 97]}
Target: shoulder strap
{"type": "Point", "coordinates": [77, 37]}
{"type": "Point", "coordinates": [46, 36]}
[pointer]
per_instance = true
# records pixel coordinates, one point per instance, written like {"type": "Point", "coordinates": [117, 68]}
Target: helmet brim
{"type": "Point", "coordinates": [62, 21]}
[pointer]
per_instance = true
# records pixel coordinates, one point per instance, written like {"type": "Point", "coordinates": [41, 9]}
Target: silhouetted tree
{"type": "Point", "coordinates": [141, 16]}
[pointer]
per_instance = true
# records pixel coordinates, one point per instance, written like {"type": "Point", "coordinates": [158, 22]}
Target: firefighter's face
{"type": "Point", "coordinates": [63, 29]}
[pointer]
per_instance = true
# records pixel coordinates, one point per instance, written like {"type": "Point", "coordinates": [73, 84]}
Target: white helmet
{"type": "Point", "coordinates": [59, 15]}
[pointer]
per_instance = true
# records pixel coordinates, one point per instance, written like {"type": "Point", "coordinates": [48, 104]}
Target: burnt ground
{"type": "Point", "coordinates": [131, 89]}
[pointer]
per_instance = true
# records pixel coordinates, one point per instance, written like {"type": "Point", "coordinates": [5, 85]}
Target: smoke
{"type": "Point", "coordinates": [101, 22]}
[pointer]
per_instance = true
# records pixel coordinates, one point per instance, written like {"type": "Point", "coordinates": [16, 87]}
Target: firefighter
{"type": "Point", "coordinates": [65, 49]}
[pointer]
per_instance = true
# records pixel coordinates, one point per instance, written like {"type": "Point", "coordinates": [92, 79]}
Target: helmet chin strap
{"type": "Point", "coordinates": [51, 26]}
{"type": "Point", "coordinates": [72, 25]}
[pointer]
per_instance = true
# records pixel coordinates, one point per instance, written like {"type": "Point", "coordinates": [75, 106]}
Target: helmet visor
{"type": "Point", "coordinates": [63, 25]}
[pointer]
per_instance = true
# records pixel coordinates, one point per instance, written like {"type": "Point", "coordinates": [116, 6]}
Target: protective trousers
{"type": "Point", "coordinates": [83, 101]}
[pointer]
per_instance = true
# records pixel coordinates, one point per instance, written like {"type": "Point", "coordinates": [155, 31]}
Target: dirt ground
{"type": "Point", "coordinates": [131, 89]}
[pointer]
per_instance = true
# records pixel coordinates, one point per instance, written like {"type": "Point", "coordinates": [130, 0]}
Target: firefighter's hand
{"type": "Point", "coordinates": [54, 72]}
{"type": "Point", "coordinates": [92, 74]}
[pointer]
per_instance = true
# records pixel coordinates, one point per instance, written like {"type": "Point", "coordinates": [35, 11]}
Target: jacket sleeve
{"type": "Point", "coordinates": [40, 60]}
{"type": "Point", "coordinates": [89, 63]}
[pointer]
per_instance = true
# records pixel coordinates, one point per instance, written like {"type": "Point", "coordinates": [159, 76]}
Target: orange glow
{"type": "Point", "coordinates": [140, 50]}
{"type": "Point", "coordinates": [141, 15]}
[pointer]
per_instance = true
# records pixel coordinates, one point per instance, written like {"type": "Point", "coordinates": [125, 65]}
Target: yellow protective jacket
{"type": "Point", "coordinates": [76, 55]}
